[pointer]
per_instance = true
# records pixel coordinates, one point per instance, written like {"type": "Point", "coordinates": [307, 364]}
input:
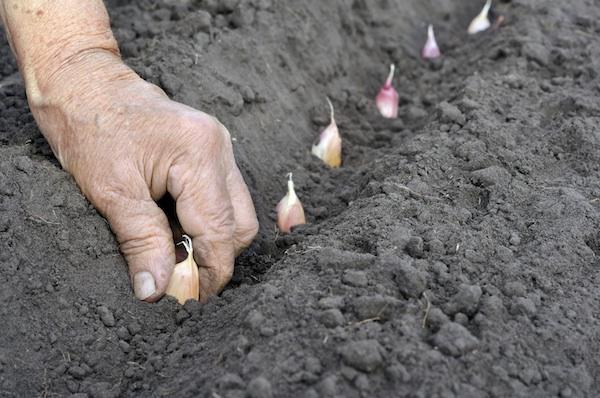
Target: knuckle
{"type": "Point", "coordinates": [205, 128]}
{"type": "Point", "coordinates": [220, 227]}
{"type": "Point", "coordinates": [115, 195]}
{"type": "Point", "coordinates": [142, 241]}
{"type": "Point", "coordinates": [107, 196]}
{"type": "Point", "coordinates": [245, 234]}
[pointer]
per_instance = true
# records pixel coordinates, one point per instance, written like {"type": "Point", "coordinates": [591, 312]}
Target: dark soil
{"type": "Point", "coordinates": [453, 255]}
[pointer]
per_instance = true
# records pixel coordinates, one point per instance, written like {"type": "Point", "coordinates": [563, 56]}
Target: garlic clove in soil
{"type": "Point", "coordinates": [431, 49]}
{"type": "Point", "coordinates": [329, 145]}
{"type": "Point", "coordinates": [290, 212]}
{"type": "Point", "coordinates": [185, 283]}
{"type": "Point", "coordinates": [482, 21]}
{"type": "Point", "coordinates": [387, 99]}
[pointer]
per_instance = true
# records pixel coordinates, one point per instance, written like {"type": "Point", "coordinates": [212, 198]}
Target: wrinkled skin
{"type": "Point", "coordinates": [127, 145]}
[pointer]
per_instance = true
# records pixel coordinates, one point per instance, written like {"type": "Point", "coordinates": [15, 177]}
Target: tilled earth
{"type": "Point", "coordinates": [453, 254]}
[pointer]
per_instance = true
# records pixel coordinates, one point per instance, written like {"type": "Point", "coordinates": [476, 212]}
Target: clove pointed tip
{"type": "Point", "coordinates": [331, 111]}
{"type": "Point", "coordinates": [390, 78]}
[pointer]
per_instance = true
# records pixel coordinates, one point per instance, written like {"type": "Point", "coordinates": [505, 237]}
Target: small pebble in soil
{"type": "Point", "coordinates": [362, 382]}
{"type": "Point", "coordinates": [523, 306]}
{"type": "Point", "coordinates": [536, 52]}
{"type": "Point", "coordinates": [134, 328]}
{"type": "Point", "coordinates": [364, 355]}
{"type": "Point", "coordinates": [328, 386]}
{"type": "Point", "coordinates": [415, 113]}
{"type": "Point", "coordinates": [24, 164]}
{"type": "Point", "coordinates": [77, 371]}
{"type": "Point", "coordinates": [355, 278]}
{"type": "Point", "coordinates": [124, 346]}
{"type": "Point", "coordinates": [254, 320]}
{"type": "Point", "coordinates": [72, 386]}
{"type": "Point", "coordinates": [454, 339]}
{"type": "Point", "coordinates": [106, 316]}
{"type": "Point", "coordinates": [241, 16]}
{"type": "Point", "coordinates": [436, 319]}
{"type": "Point", "coordinates": [104, 390]}
{"type": "Point", "coordinates": [515, 289]}
{"type": "Point", "coordinates": [123, 333]}
{"type": "Point", "coordinates": [449, 113]}
{"type": "Point", "coordinates": [230, 381]}
{"type": "Point", "coordinates": [491, 176]}
{"type": "Point", "coordinates": [466, 300]}
{"type": "Point", "coordinates": [313, 365]}
{"type": "Point", "coordinates": [468, 104]}
{"type": "Point", "coordinates": [181, 316]}
{"type": "Point", "coordinates": [399, 238]}
{"type": "Point", "coordinates": [348, 373]}
{"type": "Point", "coordinates": [267, 331]}
{"type": "Point", "coordinates": [411, 282]}
{"type": "Point", "coordinates": [331, 302]}
{"type": "Point", "coordinates": [515, 239]}
{"type": "Point", "coordinates": [492, 306]}
{"type": "Point", "coordinates": [436, 247]}
{"type": "Point", "coordinates": [259, 388]}
{"type": "Point", "coordinates": [310, 393]}
{"type": "Point", "coordinates": [332, 318]}
{"type": "Point", "coordinates": [414, 246]}
{"type": "Point", "coordinates": [461, 319]}
{"type": "Point", "coordinates": [376, 307]}
{"type": "Point", "coordinates": [200, 20]}
{"type": "Point", "coordinates": [504, 253]}
{"type": "Point", "coordinates": [398, 373]}
{"type": "Point", "coordinates": [242, 343]}
{"type": "Point", "coordinates": [270, 291]}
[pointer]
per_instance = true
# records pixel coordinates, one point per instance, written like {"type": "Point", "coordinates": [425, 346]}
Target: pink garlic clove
{"type": "Point", "coordinates": [431, 49]}
{"type": "Point", "coordinates": [290, 212]}
{"type": "Point", "coordinates": [387, 99]}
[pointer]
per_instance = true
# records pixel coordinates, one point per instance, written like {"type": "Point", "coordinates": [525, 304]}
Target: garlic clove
{"type": "Point", "coordinates": [387, 98]}
{"type": "Point", "coordinates": [431, 49]}
{"type": "Point", "coordinates": [329, 146]}
{"type": "Point", "coordinates": [290, 212]}
{"type": "Point", "coordinates": [185, 282]}
{"type": "Point", "coordinates": [482, 21]}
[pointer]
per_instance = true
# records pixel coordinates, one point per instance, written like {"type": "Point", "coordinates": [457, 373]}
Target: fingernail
{"type": "Point", "coordinates": [143, 285]}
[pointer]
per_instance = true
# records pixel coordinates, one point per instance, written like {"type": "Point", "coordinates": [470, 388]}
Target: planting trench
{"type": "Point", "coordinates": [453, 254]}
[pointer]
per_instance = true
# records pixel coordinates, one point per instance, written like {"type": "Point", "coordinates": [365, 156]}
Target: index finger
{"type": "Point", "coordinates": [204, 209]}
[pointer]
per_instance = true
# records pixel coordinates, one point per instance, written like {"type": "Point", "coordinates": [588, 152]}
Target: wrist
{"type": "Point", "coordinates": [47, 72]}
{"type": "Point", "coordinates": [46, 36]}
{"type": "Point", "coordinates": [65, 101]}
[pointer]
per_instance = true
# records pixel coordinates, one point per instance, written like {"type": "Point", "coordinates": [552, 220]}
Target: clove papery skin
{"type": "Point", "coordinates": [482, 21]}
{"type": "Point", "coordinates": [185, 282]}
{"type": "Point", "coordinates": [329, 145]}
{"type": "Point", "coordinates": [431, 49]}
{"type": "Point", "coordinates": [290, 212]}
{"type": "Point", "coordinates": [387, 99]}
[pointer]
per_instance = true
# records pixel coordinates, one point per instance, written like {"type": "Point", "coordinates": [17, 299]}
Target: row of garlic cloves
{"type": "Point", "coordinates": [328, 147]}
{"type": "Point", "coordinates": [185, 284]}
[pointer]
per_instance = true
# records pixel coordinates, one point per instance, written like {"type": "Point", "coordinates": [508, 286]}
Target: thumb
{"type": "Point", "coordinates": [146, 241]}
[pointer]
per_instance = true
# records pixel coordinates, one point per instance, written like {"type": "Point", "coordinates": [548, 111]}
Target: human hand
{"type": "Point", "coordinates": [127, 145]}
